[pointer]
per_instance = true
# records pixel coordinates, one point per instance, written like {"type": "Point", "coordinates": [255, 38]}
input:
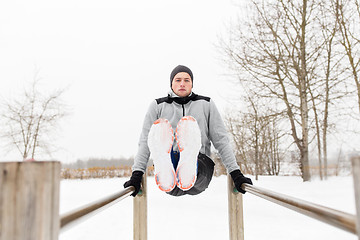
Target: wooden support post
{"type": "Point", "coordinates": [140, 212]}
{"type": "Point", "coordinates": [356, 176]}
{"type": "Point", "coordinates": [236, 220]}
{"type": "Point", "coordinates": [29, 200]}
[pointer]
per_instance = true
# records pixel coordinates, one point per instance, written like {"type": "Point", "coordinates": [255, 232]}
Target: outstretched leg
{"type": "Point", "coordinates": [188, 137]}
{"type": "Point", "coordinates": [204, 176]}
{"type": "Point", "coordinates": [160, 141]}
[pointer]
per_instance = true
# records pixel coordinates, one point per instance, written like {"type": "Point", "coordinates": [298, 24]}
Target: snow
{"type": "Point", "coordinates": [205, 216]}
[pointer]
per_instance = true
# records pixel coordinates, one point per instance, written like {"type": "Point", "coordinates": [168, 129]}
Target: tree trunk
{"type": "Point", "coordinates": [304, 151]}
{"type": "Point", "coordinates": [317, 128]}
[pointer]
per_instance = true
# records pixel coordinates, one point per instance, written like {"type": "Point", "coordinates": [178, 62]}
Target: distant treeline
{"type": "Point", "coordinates": [99, 162]}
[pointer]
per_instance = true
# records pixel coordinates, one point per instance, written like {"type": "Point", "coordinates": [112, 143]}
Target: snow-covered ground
{"type": "Point", "coordinates": [206, 216]}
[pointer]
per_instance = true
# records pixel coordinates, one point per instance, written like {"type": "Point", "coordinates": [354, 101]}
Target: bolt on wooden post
{"type": "Point", "coordinates": [29, 200]}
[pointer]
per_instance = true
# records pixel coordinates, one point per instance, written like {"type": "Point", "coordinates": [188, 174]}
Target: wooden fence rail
{"type": "Point", "coordinates": [29, 200]}
{"type": "Point", "coordinates": [29, 203]}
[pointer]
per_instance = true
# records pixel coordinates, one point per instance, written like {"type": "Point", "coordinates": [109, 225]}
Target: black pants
{"type": "Point", "coordinates": [205, 172]}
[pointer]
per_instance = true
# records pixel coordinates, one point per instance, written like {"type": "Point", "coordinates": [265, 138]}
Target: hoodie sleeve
{"type": "Point", "coordinates": [142, 157]}
{"type": "Point", "coordinates": [219, 137]}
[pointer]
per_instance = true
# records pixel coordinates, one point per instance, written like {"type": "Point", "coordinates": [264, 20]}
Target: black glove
{"type": "Point", "coordinates": [135, 181]}
{"type": "Point", "coordinates": [239, 179]}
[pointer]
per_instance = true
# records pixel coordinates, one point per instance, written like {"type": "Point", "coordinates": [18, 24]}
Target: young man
{"type": "Point", "coordinates": [181, 161]}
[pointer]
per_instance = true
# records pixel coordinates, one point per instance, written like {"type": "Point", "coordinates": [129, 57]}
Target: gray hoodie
{"type": "Point", "coordinates": [203, 109]}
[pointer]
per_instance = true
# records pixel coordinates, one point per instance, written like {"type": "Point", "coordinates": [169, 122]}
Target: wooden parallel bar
{"type": "Point", "coordinates": [355, 161]}
{"type": "Point", "coordinates": [78, 215]}
{"type": "Point", "coordinates": [235, 209]}
{"type": "Point", "coordinates": [342, 220]}
{"type": "Point", "coordinates": [140, 213]}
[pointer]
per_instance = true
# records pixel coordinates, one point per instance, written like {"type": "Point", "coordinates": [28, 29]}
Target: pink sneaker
{"type": "Point", "coordinates": [160, 140]}
{"type": "Point", "coordinates": [188, 137]}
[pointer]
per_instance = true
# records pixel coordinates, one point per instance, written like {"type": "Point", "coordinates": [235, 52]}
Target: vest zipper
{"type": "Point", "coordinates": [183, 109]}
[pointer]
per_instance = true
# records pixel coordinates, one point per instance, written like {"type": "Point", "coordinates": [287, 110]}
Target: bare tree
{"type": "Point", "coordinates": [273, 52]}
{"type": "Point", "coordinates": [285, 52]}
{"type": "Point", "coordinates": [347, 14]}
{"type": "Point", "coordinates": [29, 120]}
{"type": "Point", "coordinates": [236, 127]}
{"type": "Point", "coordinates": [256, 137]}
{"type": "Point", "coordinates": [326, 89]}
{"type": "Point", "coordinates": [275, 156]}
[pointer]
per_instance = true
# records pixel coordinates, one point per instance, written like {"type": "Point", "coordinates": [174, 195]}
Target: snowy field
{"type": "Point", "coordinates": [205, 216]}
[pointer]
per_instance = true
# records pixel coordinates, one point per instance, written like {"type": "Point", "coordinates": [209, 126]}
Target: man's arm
{"type": "Point", "coordinates": [220, 139]}
{"type": "Point", "coordinates": [142, 157]}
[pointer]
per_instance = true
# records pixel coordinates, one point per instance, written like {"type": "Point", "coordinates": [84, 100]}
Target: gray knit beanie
{"type": "Point", "coordinates": [181, 68]}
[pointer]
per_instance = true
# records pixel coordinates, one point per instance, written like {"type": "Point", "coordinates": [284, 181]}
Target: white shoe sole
{"type": "Point", "coordinates": [160, 140]}
{"type": "Point", "coordinates": [188, 137]}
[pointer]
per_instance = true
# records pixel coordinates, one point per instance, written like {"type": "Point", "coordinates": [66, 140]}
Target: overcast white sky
{"type": "Point", "coordinates": [115, 57]}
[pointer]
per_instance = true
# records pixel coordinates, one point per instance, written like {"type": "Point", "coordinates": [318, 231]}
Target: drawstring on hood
{"type": "Point", "coordinates": [172, 97]}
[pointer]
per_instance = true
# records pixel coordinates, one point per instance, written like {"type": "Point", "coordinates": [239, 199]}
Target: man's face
{"type": "Point", "coordinates": [182, 84]}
